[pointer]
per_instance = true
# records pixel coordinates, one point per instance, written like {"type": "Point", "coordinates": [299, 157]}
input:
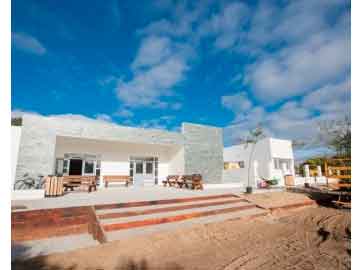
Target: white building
{"type": "Point", "coordinates": [271, 159]}
{"type": "Point", "coordinates": [54, 145]}
{"type": "Point", "coordinates": [81, 146]}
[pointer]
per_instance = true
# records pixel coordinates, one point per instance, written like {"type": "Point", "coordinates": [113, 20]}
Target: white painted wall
{"type": "Point", "coordinates": [264, 152]}
{"type": "Point", "coordinates": [176, 163]}
{"type": "Point", "coordinates": [115, 156]}
{"type": "Point", "coordinates": [15, 142]}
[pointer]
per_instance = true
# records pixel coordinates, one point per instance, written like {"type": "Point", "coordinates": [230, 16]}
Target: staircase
{"type": "Point", "coordinates": [123, 220]}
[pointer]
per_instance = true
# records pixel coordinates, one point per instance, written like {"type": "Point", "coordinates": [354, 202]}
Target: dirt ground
{"type": "Point", "coordinates": [277, 199]}
{"type": "Point", "coordinates": [307, 238]}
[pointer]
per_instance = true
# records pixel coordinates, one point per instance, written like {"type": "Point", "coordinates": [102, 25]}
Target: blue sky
{"type": "Point", "coordinates": [232, 64]}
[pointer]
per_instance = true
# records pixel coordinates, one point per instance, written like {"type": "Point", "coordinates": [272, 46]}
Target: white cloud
{"type": "Point", "coordinates": [27, 43]}
{"type": "Point", "coordinates": [237, 103]}
{"type": "Point", "coordinates": [152, 51]}
{"type": "Point", "coordinates": [331, 97]}
{"type": "Point", "coordinates": [125, 113]}
{"type": "Point", "coordinates": [300, 35]}
{"type": "Point", "coordinates": [227, 25]}
{"type": "Point", "coordinates": [299, 69]}
{"type": "Point", "coordinates": [297, 119]}
{"type": "Point", "coordinates": [147, 87]}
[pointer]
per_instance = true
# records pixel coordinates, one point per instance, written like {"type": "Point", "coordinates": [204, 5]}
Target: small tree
{"type": "Point", "coordinates": [337, 135]}
{"type": "Point", "coordinates": [252, 139]}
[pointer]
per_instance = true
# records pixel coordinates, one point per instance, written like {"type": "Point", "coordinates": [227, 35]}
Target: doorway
{"type": "Point", "coordinates": [144, 170]}
{"type": "Point", "coordinates": [75, 167]}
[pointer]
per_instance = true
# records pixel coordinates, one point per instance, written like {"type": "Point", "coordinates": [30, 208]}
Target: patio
{"type": "Point", "coordinates": [119, 194]}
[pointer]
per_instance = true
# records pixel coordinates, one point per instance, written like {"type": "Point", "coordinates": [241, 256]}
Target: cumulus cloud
{"type": "Point", "coordinates": [227, 25]}
{"type": "Point", "coordinates": [237, 102]}
{"type": "Point", "coordinates": [147, 87]}
{"type": "Point", "coordinates": [297, 119]}
{"type": "Point", "coordinates": [125, 113]}
{"type": "Point", "coordinates": [27, 43]}
{"type": "Point", "coordinates": [152, 51]}
{"type": "Point", "coordinates": [299, 69]}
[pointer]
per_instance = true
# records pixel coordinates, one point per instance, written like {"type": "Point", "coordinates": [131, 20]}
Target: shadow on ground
{"type": "Point", "coordinates": [21, 262]}
{"type": "Point", "coordinates": [40, 263]}
{"type": "Point", "coordinates": [322, 199]}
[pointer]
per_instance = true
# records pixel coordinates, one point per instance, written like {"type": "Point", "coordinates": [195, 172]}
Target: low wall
{"type": "Point", "coordinates": [32, 194]}
{"type": "Point", "coordinates": [42, 224]}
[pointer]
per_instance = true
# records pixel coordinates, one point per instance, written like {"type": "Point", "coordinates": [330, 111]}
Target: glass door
{"type": "Point", "coordinates": [139, 173]}
{"type": "Point", "coordinates": [143, 170]}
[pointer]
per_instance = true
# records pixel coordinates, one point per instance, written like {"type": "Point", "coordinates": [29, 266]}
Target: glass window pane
{"type": "Point", "coordinates": [139, 167]}
{"type": "Point", "coordinates": [149, 168]}
{"type": "Point", "coordinates": [89, 166]}
{"type": "Point", "coordinates": [66, 166]}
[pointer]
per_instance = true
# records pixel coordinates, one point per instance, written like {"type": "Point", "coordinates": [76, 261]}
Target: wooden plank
{"type": "Point", "coordinates": [47, 186]}
{"type": "Point", "coordinates": [341, 168]}
{"type": "Point", "coordinates": [339, 176]}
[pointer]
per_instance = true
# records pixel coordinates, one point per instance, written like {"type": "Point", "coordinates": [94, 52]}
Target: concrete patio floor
{"type": "Point", "coordinates": [119, 194]}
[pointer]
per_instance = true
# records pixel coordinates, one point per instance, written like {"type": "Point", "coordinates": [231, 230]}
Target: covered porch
{"type": "Point", "coordinates": [145, 164]}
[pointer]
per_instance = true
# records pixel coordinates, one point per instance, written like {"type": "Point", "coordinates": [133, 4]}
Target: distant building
{"type": "Point", "coordinates": [272, 159]}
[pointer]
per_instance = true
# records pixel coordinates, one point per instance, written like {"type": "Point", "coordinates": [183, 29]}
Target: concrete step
{"type": "Point", "coordinates": [243, 214]}
{"type": "Point", "coordinates": [107, 222]}
{"type": "Point", "coordinates": [161, 202]}
{"type": "Point", "coordinates": [168, 207]}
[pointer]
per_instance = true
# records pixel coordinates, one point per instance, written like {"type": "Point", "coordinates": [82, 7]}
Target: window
{"type": "Point", "coordinates": [280, 163]}
{"type": "Point", "coordinates": [89, 167]}
{"type": "Point", "coordinates": [98, 167]}
{"type": "Point", "coordinates": [234, 165]}
{"type": "Point", "coordinates": [149, 167]}
{"type": "Point", "coordinates": [59, 168]}
{"type": "Point", "coordinates": [139, 167]}
{"type": "Point", "coordinates": [66, 166]}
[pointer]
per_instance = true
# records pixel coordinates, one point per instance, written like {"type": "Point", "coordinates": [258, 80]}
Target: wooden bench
{"type": "Point", "coordinates": [117, 179]}
{"type": "Point", "coordinates": [170, 180]}
{"type": "Point", "coordinates": [72, 181]}
{"type": "Point", "coordinates": [193, 181]}
{"type": "Point", "coordinates": [197, 182]}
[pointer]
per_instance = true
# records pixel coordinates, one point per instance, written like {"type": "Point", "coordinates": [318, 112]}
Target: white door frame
{"type": "Point", "coordinates": [83, 167]}
{"type": "Point", "coordinates": [139, 178]}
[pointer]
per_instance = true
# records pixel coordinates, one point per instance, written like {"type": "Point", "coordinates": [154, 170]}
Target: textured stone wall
{"type": "Point", "coordinates": [203, 151]}
{"type": "Point", "coordinates": [38, 140]}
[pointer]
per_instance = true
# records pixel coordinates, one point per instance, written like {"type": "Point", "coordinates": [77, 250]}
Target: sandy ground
{"type": "Point", "coordinates": [309, 238]}
{"type": "Point", "coordinates": [277, 199]}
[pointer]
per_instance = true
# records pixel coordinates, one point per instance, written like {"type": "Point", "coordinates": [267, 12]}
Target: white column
{"type": "Point", "coordinates": [255, 172]}
{"type": "Point", "coordinates": [283, 168]}
{"type": "Point", "coordinates": [319, 172]}
{"type": "Point", "coordinates": [292, 167]}
{"type": "Point", "coordinates": [306, 170]}
{"type": "Point", "coordinates": [270, 170]}
{"type": "Point", "coordinates": [101, 182]}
